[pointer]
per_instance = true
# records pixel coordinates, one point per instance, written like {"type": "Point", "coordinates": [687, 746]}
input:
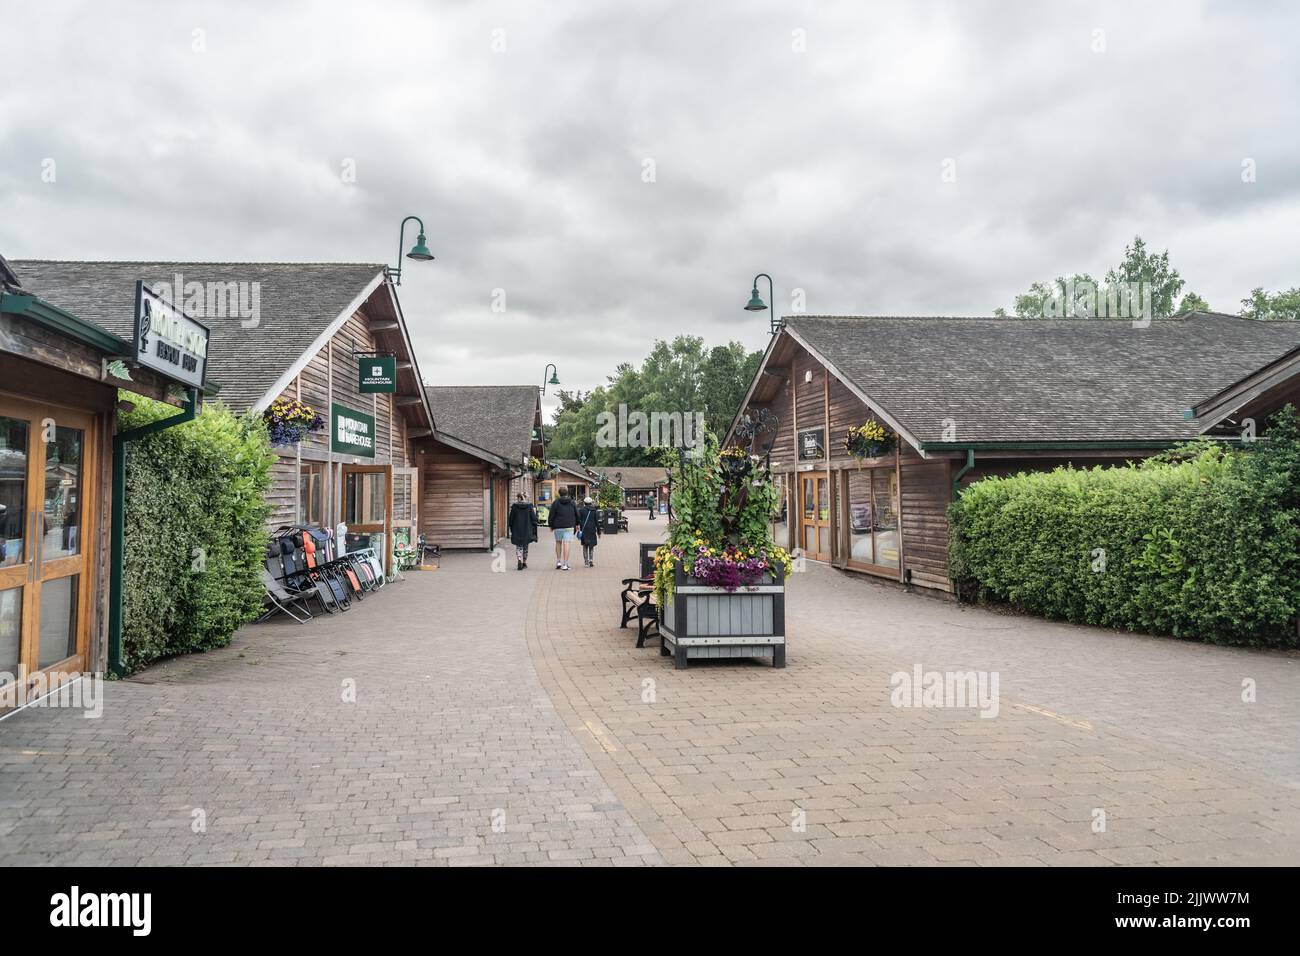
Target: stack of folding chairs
{"type": "Point", "coordinates": [304, 569]}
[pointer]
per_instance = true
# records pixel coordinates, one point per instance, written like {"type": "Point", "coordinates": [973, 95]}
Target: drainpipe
{"type": "Point", "coordinates": [961, 473]}
{"type": "Point", "coordinates": [116, 668]}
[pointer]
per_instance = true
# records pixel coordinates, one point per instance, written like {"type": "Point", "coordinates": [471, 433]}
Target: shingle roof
{"type": "Point", "coordinates": [297, 303]}
{"type": "Point", "coordinates": [634, 476]}
{"type": "Point", "coordinates": [497, 418]}
{"type": "Point", "coordinates": [1043, 380]}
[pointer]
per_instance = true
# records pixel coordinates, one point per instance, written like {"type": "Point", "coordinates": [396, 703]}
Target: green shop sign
{"type": "Point", "coordinates": [377, 374]}
{"type": "Point", "coordinates": [352, 433]}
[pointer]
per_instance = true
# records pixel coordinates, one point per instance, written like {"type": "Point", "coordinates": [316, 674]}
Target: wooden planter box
{"type": "Point", "coordinates": [707, 622]}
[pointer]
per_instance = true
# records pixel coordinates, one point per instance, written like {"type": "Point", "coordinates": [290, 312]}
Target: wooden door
{"type": "Point", "coordinates": [47, 477]}
{"type": "Point", "coordinates": [406, 504]}
{"type": "Point", "coordinates": [815, 515]}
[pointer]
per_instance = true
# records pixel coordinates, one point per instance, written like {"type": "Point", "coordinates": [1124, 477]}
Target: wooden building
{"type": "Point", "coordinates": [641, 484]}
{"type": "Point", "coordinates": [305, 331]}
{"type": "Point", "coordinates": [571, 476]}
{"type": "Point", "coordinates": [58, 415]}
{"type": "Point", "coordinates": [968, 398]}
{"type": "Point", "coordinates": [476, 461]}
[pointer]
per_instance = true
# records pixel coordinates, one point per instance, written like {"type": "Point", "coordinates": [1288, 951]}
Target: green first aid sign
{"type": "Point", "coordinates": [377, 374]}
{"type": "Point", "coordinates": [352, 432]}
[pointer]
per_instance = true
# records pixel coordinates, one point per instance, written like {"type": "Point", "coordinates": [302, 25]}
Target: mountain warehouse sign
{"type": "Point", "coordinates": [169, 341]}
{"type": "Point", "coordinates": [351, 432]}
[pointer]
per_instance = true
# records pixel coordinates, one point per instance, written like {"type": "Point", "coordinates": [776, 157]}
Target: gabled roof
{"type": "Point", "coordinates": [299, 304]}
{"type": "Point", "coordinates": [1257, 396]}
{"type": "Point", "coordinates": [638, 476]}
{"type": "Point", "coordinates": [495, 418]}
{"type": "Point", "coordinates": [1055, 381]}
{"type": "Point", "coordinates": [634, 476]}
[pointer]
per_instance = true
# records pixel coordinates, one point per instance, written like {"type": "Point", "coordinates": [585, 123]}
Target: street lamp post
{"type": "Point", "coordinates": [756, 304]}
{"type": "Point", "coordinates": [419, 252]}
{"type": "Point", "coordinates": [553, 380]}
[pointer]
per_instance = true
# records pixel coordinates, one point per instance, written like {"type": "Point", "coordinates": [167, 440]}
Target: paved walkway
{"type": "Point", "coordinates": [451, 753]}
{"type": "Point", "coordinates": [513, 698]}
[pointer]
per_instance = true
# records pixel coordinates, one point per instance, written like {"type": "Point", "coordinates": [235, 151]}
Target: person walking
{"type": "Point", "coordinates": [589, 531]}
{"type": "Point", "coordinates": [522, 522]}
{"type": "Point", "coordinates": [563, 519]}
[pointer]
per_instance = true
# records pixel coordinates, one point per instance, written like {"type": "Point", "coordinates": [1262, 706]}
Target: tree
{"type": "Point", "coordinates": [1083, 295]}
{"type": "Point", "coordinates": [1193, 303]}
{"type": "Point", "coordinates": [1153, 271]}
{"type": "Point", "coordinates": [1280, 305]}
{"type": "Point", "coordinates": [678, 377]}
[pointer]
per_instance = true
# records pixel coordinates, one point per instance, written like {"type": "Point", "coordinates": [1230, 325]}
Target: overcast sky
{"type": "Point", "coordinates": [805, 140]}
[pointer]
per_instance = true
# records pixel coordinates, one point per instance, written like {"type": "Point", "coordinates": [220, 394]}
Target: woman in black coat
{"type": "Point", "coordinates": [522, 523]}
{"type": "Point", "coordinates": [588, 531]}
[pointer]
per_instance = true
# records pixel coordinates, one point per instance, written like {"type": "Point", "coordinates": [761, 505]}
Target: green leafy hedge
{"type": "Point", "coordinates": [1202, 542]}
{"type": "Point", "coordinates": [195, 531]}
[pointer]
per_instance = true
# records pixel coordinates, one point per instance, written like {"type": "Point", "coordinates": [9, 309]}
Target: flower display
{"type": "Point", "coordinates": [289, 421]}
{"type": "Point", "coordinates": [723, 503]}
{"type": "Point", "coordinates": [869, 440]}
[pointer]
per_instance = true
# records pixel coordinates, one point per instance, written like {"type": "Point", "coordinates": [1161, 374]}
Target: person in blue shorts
{"type": "Point", "coordinates": [563, 519]}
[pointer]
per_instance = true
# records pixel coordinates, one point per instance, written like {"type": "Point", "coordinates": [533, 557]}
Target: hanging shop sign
{"type": "Point", "coordinates": [377, 373]}
{"type": "Point", "coordinates": [812, 444]}
{"type": "Point", "coordinates": [168, 341]}
{"type": "Point", "coordinates": [352, 432]}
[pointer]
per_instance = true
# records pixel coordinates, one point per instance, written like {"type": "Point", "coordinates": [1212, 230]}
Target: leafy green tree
{"type": "Point", "coordinates": [1272, 307]}
{"type": "Point", "coordinates": [679, 376]}
{"type": "Point", "coordinates": [1151, 269]}
{"type": "Point", "coordinates": [1192, 302]}
{"type": "Point", "coordinates": [1139, 265]}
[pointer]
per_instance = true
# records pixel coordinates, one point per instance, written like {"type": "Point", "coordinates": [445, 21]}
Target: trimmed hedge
{"type": "Point", "coordinates": [196, 516]}
{"type": "Point", "coordinates": [1202, 542]}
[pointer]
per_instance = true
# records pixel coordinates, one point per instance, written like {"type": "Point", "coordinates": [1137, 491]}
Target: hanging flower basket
{"type": "Point", "coordinates": [289, 421]}
{"type": "Point", "coordinates": [869, 440]}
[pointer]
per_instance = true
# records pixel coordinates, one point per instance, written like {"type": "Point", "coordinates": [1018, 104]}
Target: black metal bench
{"type": "Point", "coordinates": [639, 602]}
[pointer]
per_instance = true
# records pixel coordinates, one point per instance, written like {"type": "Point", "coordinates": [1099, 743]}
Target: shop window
{"type": "Point", "coordinates": [62, 494]}
{"type": "Point", "coordinates": [364, 498]}
{"type": "Point", "coordinates": [13, 492]}
{"type": "Point", "coordinates": [873, 516]}
{"type": "Point", "coordinates": [311, 494]}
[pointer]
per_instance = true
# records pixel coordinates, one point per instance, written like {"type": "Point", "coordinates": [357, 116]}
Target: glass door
{"type": "Point", "coordinates": [367, 491]}
{"type": "Point", "coordinates": [45, 466]}
{"type": "Point", "coordinates": [406, 507]}
{"type": "Point", "coordinates": [815, 516]}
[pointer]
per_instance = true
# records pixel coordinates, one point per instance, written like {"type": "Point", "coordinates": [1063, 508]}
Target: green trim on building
{"type": "Point", "coordinates": [65, 323]}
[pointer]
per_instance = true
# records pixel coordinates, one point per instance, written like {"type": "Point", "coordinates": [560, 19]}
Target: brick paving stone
{"type": "Point", "coordinates": [450, 723]}
{"type": "Point", "coordinates": [1150, 730]}
{"type": "Point", "coordinates": [502, 718]}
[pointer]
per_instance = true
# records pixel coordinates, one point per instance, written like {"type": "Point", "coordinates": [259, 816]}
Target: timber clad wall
{"type": "Point", "coordinates": [925, 491]}
{"type": "Point", "coordinates": [331, 377]}
{"type": "Point", "coordinates": [453, 502]}
{"type": "Point", "coordinates": [925, 484]}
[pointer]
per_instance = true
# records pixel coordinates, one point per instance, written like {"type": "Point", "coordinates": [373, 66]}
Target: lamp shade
{"type": "Point", "coordinates": [755, 303]}
{"type": "Point", "coordinates": [420, 251]}
{"type": "Point", "coordinates": [554, 380]}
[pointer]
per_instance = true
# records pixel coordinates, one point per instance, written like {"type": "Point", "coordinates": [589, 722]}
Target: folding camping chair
{"type": "Point", "coordinates": [284, 601]}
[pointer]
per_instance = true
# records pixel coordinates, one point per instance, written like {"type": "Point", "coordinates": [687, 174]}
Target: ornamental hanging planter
{"type": "Point", "coordinates": [289, 421]}
{"type": "Point", "coordinates": [869, 440]}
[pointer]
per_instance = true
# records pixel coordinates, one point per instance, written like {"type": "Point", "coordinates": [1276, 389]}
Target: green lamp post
{"type": "Point", "coordinates": [553, 380]}
{"type": "Point", "coordinates": [419, 252]}
{"type": "Point", "coordinates": [756, 303]}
